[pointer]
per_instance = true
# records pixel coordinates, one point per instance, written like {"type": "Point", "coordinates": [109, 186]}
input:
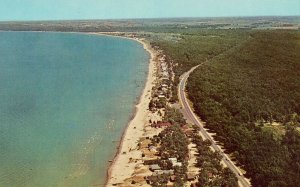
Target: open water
{"type": "Point", "coordinates": [65, 100]}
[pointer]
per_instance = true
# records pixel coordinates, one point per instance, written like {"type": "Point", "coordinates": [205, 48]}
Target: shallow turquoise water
{"type": "Point", "coordinates": [64, 101]}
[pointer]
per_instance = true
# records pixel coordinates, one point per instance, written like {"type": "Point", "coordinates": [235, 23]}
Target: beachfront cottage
{"type": "Point", "coordinates": [173, 159]}
{"type": "Point", "coordinates": [150, 162]}
{"type": "Point", "coordinates": [190, 177]}
{"type": "Point", "coordinates": [161, 96]}
{"type": "Point", "coordinates": [188, 131]}
{"type": "Point", "coordinates": [161, 124]}
{"type": "Point", "coordinates": [179, 164]}
{"type": "Point", "coordinates": [168, 172]}
{"type": "Point", "coordinates": [154, 167]}
{"type": "Point", "coordinates": [172, 178]}
{"type": "Point", "coordinates": [152, 148]}
{"type": "Point", "coordinates": [162, 172]}
{"type": "Point", "coordinates": [151, 179]}
{"type": "Point", "coordinates": [174, 162]}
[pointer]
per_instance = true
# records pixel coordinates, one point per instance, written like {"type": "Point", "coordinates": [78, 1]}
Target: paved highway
{"type": "Point", "coordinates": [193, 118]}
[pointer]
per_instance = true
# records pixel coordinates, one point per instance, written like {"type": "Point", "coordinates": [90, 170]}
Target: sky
{"type": "Point", "coordinates": [19, 10]}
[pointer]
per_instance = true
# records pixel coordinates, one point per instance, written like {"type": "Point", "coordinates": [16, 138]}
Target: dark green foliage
{"type": "Point", "coordinates": [292, 140]}
{"type": "Point", "coordinates": [197, 47]}
{"type": "Point", "coordinates": [252, 84]}
{"type": "Point", "coordinates": [173, 116]}
{"type": "Point", "coordinates": [174, 143]}
{"type": "Point", "coordinates": [256, 81]}
{"type": "Point", "coordinates": [247, 79]}
{"type": "Point", "coordinates": [157, 104]}
{"type": "Point", "coordinates": [159, 181]}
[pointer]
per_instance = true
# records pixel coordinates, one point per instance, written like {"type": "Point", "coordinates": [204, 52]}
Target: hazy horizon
{"type": "Point", "coordinates": [59, 10]}
{"type": "Point", "coordinates": [158, 18]}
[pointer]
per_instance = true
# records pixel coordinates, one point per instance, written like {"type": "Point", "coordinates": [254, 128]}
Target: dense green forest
{"type": "Point", "coordinates": [247, 90]}
{"type": "Point", "coordinates": [196, 46]}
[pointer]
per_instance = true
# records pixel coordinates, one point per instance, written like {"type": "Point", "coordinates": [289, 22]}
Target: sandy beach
{"type": "Point", "coordinates": [128, 156]}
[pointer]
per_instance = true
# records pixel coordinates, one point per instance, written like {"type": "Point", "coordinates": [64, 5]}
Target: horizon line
{"type": "Point", "coordinates": [147, 18]}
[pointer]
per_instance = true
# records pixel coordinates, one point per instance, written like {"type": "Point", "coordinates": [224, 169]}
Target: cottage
{"type": "Point", "coordinates": [152, 148]}
{"type": "Point", "coordinates": [187, 130]}
{"type": "Point", "coordinates": [168, 172]}
{"type": "Point", "coordinates": [161, 96]}
{"type": "Point", "coordinates": [161, 124]}
{"type": "Point", "coordinates": [150, 179]}
{"type": "Point", "coordinates": [179, 164]}
{"type": "Point", "coordinates": [165, 74]}
{"type": "Point", "coordinates": [172, 178]}
{"type": "Point", "coordinates": [174, 162]}
{"type": "Point", "coordinates": [164, 89]}
{"type": "Point", "coordinates": [190, 177]}
{"type": "Point", "coordinates": [150, 162]}
{"type": "Point", "coordinates": [154, 167]}
{"type": "Point", "coordinates": [173, 159]}
{"type": "Point", "coordinates": [161, 172]}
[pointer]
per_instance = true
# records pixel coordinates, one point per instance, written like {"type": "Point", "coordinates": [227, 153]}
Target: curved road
{"type": "Point", "coordinates": [193, 118]}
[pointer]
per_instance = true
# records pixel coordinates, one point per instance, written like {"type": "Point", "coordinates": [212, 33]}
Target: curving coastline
{"type": "Point", "coordinates": [121, 168]}
{"type": "Point", "coordinates": [104, 165]}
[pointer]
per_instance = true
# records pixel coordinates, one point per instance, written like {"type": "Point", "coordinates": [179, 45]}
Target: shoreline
{"type": "Point", "coordinates": [135, 128]}
{"type": "Point", "coordinates": [118, 169]}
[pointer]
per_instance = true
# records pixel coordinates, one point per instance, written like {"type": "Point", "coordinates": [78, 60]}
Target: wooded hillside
{"type": "Point", "coordinates": [247, 91]}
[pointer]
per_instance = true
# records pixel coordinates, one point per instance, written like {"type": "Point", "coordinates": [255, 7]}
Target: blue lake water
{"type": "Point", "coordinates": [65, 100]}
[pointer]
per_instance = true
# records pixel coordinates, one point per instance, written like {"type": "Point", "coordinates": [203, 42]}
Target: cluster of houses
{"type": "Point", "coordinates": [164, 77]}
{"type": "Point", "coordinates": [160, 124]}
{"type": "Point", "coordinates": [157, 171]}
{"type": "Point", "coordinates": [150, 156]}
{"type": "Point", "coordinates": [153, 161]}
{"type": "Point", "coordinates": [162, 90]}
